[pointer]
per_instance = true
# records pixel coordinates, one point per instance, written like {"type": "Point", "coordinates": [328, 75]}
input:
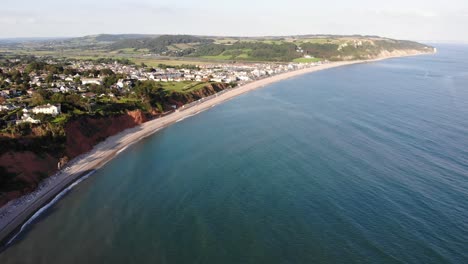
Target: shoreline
{"type": "Point", "coordinates": [16, 213]}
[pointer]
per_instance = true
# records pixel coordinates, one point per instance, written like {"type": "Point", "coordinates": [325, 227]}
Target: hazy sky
{"type": "Point", "coordinates": [404, 19]}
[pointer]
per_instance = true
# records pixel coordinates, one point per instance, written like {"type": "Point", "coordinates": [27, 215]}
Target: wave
{"type": "Point", "coordinates": [48, 205]}
{"type": "Point", "coordinates": [150, 134]}
{"type": "Point", "coordinates": [185, 117]}
{"type": "Point", "coordinates": [121, 150]}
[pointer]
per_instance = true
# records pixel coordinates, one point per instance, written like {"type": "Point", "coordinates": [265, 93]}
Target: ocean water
{"type": "Point", "coordinates": [360, 164]}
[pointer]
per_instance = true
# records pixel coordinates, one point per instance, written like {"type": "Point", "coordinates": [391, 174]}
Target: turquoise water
{"type": "Point", "coordinates": [359, 164]}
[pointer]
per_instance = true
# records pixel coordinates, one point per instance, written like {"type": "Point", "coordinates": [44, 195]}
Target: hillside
{"type": "Point", "coordinates": [277, 49]}
{"type": "Point", "coordinates": [306, 48]}
{"type": "Point", "coordinates": [174, 44]}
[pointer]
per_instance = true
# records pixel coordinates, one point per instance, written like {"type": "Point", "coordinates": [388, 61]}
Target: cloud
{"type": "Point", "coordinates": [14, 17]}
{"type": "Point", "coordinates": [150, 7]}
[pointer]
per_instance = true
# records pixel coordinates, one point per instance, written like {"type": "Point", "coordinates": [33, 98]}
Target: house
{"type": "Point", "coordinates": [218, 80]}
{"type": "Point", "coordinates": [243, 78]}
{"type": "Point", "coordinates": [120, 83]}
{"type": "Point", "coordinates": [228, 80]}
{"type": "Point", "coordinates": [89, 95]}
{"type": "Point", "coordinates": [47, 109]}
{"type": "Point", "coordinates": [54, 90]}
{"type": "Point", "coordinates": [31, 91]}
{"type": "Point", "coordinates": [82, 89]}
{"type": "Point", "coordinates": [97, 81]}
{"type": "Point", "coordinates": [7, 107]}
{"type": "Point", "coordinates": [64, 89]}
{"type": "Point", "coordinates": [26, 118]}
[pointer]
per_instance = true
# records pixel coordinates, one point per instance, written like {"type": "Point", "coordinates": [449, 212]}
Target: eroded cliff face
{"type": "Point", "coordinates": [84, 133]}
{"type": "Point", "coordinates": [406, 52]}
{"type": "Point", "coordinates": [22, 172]}
{"type": "Point", "coordinates": [383, 54]}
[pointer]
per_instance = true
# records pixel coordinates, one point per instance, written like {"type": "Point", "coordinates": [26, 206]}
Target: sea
{"type": "Point", "coordinates": [365, 163]}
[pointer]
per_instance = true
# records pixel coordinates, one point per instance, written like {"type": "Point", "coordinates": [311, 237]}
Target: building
{"type": "Point", "coordinates": [47, 109]}
{"type": "Point", "coordinates": [7, 107]}
{"type": "Point", "coordinates": [26, 118]}
{"type": "Point", "coordinates": [97, 81]}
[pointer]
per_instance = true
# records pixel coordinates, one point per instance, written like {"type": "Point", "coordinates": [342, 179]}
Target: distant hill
{"type": "Point", "coordinates": [113, 38]}
{"type": "Point", "coordinates": [163, 44]}
{"type": "Point", "coordinates": [287, 48]}
{"type": "Point", "coordinates": [301, 48]}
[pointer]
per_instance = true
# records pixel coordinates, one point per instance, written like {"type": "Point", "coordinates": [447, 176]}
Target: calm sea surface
{"type": "Point", "coordinates": [360, 164]}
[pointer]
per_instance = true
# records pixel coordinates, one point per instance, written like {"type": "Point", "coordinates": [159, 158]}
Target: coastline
{"type": "Point", "coordinates": [15, 214]}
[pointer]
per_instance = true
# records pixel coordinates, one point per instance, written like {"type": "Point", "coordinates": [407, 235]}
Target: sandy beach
{"type": "Point", "coordinates": [16, 213]}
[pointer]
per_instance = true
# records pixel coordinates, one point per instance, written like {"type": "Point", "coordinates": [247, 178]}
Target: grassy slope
{"type": "Point", "coordinates": [183, 87]}
{"type": "Point", "coordinates": [306, 60]}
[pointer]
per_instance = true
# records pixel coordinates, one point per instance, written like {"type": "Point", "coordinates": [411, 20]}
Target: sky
{"type": "Point", "coordinates": [422, 20]}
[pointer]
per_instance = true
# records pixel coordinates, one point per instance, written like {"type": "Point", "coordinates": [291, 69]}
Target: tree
{"type": "Point", "coordinates": [109, 80]}
{"type": "Point", "coordinates": [151, 92]}
{"type": "Point", "coordinates": [49, 78]}
{"type": "Point", "coordinates": [37, 99]}
{"type": "Point", "coordinates": [97, 89]}
{"type": "Point", "coordinates": [58, 98]}
{"type": "Point", "coordinates": [107, 72]}
{"type": "Point", "coordinates": [69, 71]}
{"type": "Point", "coordinates": [77, 80]}
{"type": "Point", "coordinates": [74, 99]}
{"type": "Point", "coordinates": [26, 78]}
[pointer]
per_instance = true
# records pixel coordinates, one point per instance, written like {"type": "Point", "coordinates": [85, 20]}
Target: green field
{"type": "Point", "coordinates": [306, 60]}
{"type": "Point", "coordinates": [171, 62]}
{"type": "Point", "coordinates": [235, 54]}
{"type": "Point", "coordinates": [183, 87]}
{"type": "Point", "coordinates": [218, 57]}
{"type": "Point", "coordinates": [318, 41]}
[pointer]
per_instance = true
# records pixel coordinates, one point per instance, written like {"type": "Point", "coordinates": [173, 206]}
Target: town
{"type": "Point", "coordinates": [33, 90]}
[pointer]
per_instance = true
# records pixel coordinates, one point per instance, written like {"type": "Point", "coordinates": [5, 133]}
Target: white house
{"type": "Point", "coordinates": [7, 107]}
{"type": "Point", "coordinates": [243, 78]}
{"type": "Point", "coordinates": [85, 81]}
{"type": "Point", "coordinates": [26, 118]}
{"type": "Point", "coordinates": [120, 83]}
{"type": "Point", "coordinates": [47, 109]}
{"type": "Point", "coordinates": [64, 89]}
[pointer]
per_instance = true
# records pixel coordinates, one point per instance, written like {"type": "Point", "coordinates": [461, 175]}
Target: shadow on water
{"type": "Point", "coordinates": [39, 215]}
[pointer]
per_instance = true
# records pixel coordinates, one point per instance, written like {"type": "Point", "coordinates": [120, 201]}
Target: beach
{"type": "Point", "coordinates": [16, 213]}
